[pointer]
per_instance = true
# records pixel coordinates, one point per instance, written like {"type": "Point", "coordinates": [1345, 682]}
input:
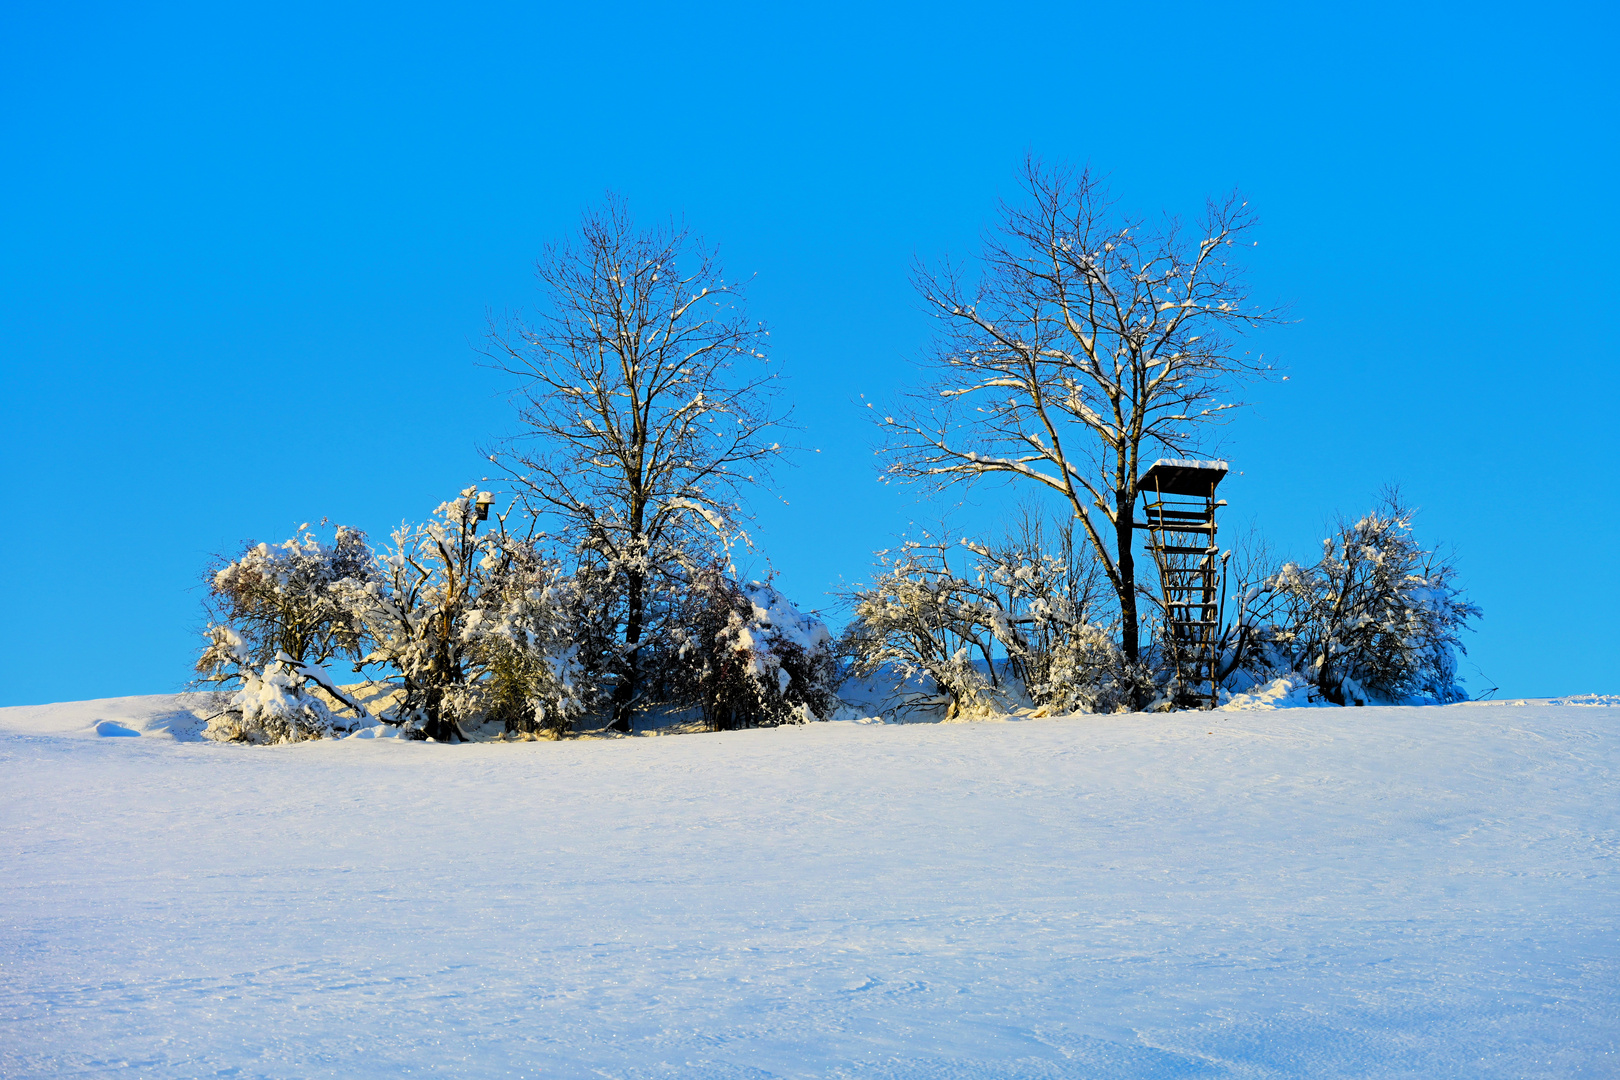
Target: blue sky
{"type": "Point", "coordinates": [250, 253]}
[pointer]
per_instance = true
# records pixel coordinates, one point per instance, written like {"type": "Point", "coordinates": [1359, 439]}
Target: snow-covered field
{"type": "Point", "coordinates": [1379, 892]}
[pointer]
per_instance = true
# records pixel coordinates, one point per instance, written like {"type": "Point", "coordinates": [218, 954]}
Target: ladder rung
{"type": "Point", "coordinates": [1182, 506]}
{"type": "Point", "coordinates": [1179, 515]}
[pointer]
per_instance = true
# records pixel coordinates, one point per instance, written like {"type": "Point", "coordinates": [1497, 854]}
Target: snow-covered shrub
{"type": "Point", "coordinates": [474, 627]}
{"type": "Point", "coordinates": [277, 703]}
{"type": "Point", "coordinates": [1379, 618]}
{"type": "Point", "coordinates": [1039, 599]}
{"type": "Point", "coordinates": [1085, 671]}
{"type": "Point", "coordinates": [920, 619]}
{"type": "Point", "coordinates": [746, 657]}
{"type": "Point", "coordinates": [792, 650]}
{"type": "Point", "coordinates": [276, 617]}
{"type": "Point", "coordinates": [925, 619]}
{"type": "Point", "coordinates": [519, 633]}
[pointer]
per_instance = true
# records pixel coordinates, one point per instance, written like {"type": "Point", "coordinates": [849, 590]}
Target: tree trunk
{"type": "Point", "coordinates": [1124, 539]}
{"type": "Point", "coordinates": [624, 695]}
{"type": "Point", "coordinates": [439, 727]}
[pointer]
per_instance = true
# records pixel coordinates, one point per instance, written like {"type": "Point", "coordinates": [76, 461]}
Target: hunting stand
{"type": "Point", "coordinates": [1179, 506]}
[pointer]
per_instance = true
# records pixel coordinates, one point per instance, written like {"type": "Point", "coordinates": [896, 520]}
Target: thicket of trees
{"type": "Point", "coordinates": [1084, 346]}
{"type": "Point", "coordinates": [646, 409]}
{"type": "Point", "coordinates": [470, 634]}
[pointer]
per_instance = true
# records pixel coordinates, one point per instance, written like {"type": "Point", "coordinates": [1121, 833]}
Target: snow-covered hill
{"type": "Point", "coordinates": [1376, 892]}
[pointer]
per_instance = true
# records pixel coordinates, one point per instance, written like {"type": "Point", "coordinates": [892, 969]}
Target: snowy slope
{"type": "Point", "coordinates": [1381, 892]}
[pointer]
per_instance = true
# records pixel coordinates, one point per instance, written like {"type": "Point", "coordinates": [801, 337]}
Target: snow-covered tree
{"type": "Point", "coordinates": [1378, 618]}
{"type": "Point", "coordinates": [521, 634]}
{"type": "Point", "coordinates": [276, 618]}
{"type": "Point", "coordinates": [747, 657]}
{"type": "Point", "coordinates": [278, 598]}
{"type": "Point", "coordinates": [646, 406]}
{"type": "Point", "coordinates": [1087, 345]}
{"type": "Point", "coordinates": [474, 627]}
{"type": "Point", "coordinates": [276, 702]}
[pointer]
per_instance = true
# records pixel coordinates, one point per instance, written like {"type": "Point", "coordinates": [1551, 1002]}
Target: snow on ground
{"type": "Point", "coordinates": [1379, 892]}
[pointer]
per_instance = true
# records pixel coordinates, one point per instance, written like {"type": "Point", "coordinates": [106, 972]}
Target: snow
{"type": "Point", "coordinates": [1281, 693]}
{"type": "Point", "coordinates": [1602, 701]}
{"type": "Point", "coordinates": [1189, 463]}
{"type": "Point", "coordinates": [776, 614]}
{"type": "Point", "coordinates": [1280, 892]}
{"type": "Point", "coordinates": [175, 716]}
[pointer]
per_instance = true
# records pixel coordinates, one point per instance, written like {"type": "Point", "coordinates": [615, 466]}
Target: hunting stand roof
{"type": "Point", "coordinates": [1174, 476]}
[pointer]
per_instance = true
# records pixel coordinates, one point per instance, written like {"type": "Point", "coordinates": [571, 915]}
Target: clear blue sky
{"type": "Point", "coordinates": [249, 251]}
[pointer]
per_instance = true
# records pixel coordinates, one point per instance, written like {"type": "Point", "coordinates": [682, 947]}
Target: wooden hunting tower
{"type": "Point", "coordinates": [1178, 505]}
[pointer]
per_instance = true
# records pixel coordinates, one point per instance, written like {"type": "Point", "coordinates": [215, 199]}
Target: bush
{"type": "Point", "coordinates": [277, 704]}
{"type": "Point", "coordinates": [920, 620]}
{"type": "Point", "coordinates": [523, 646]}
{"type": "Point", "coordinates": [1378, 618]}
{"type": "Point", "coordinates": [925, 619]}
{"type": "Point", "coordinates": [746, 657]}
{"type": "Point", "coordinates": [1085, 671]}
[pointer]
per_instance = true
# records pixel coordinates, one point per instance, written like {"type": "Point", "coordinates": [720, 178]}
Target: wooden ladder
{"type": "Point", "coordinates": [1181, 536]}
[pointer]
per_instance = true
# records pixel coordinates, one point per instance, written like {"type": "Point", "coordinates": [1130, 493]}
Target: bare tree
{"type": "Point", "coordinates": [1087, 341]}
{"type": "Point", "coordinates": [647, 404]}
